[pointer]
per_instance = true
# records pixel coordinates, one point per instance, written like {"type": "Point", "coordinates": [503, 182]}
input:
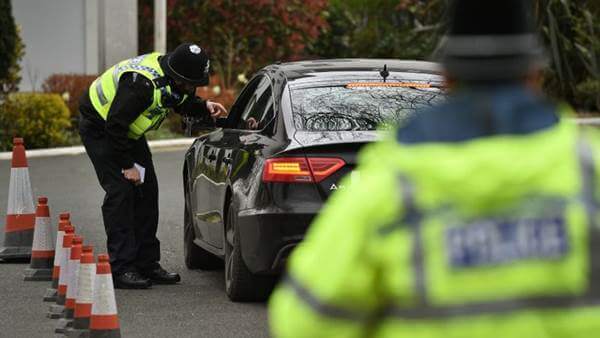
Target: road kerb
{"type": "Point", "coordinates": [77, 150]}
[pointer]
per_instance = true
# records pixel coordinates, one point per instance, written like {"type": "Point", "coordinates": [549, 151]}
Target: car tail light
{"type": "Point", "coordinates": [300, 169]}
{"type": "Point", "coordinates": [323, 167]}
{"type": "Point", "coordinates": [287, 169]}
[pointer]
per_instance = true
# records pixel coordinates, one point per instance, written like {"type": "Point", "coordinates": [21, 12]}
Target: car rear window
{"type": "Point", "coordinates": [358, 107]}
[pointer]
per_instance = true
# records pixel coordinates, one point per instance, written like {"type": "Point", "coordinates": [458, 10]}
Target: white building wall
{"type": "Point", "coordinates": [118, 31]}
{"type": "Point", "coordinates": [92, 39]}
{"type": "Point", "coordinates": [73, 36]}
{"type": "Point", "coordinates": [53, 33]}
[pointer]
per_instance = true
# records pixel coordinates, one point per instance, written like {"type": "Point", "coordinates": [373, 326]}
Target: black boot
{"type": "Point", "coordinates": [162, 276]}
{"type": "Point", "coordinates": [131, 280]}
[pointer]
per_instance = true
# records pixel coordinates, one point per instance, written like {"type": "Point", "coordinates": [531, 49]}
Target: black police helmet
{"type": "Point", "coordinates": [188, 63]}
{"type": "Point", "coordinates": [492, 40]}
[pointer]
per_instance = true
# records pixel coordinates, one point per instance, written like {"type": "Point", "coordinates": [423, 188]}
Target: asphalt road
{"type": "Point", "coordinates": [198, 307]}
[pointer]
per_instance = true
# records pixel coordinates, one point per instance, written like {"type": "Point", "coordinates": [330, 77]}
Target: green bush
{"type": "Point", "coordinates": [41, 119]}
{"type": "Point", "coordinates": [570, 30]}
{"type": "Point", "coordinates": [70, 87]}
{"type": "Point", "coordinates": [405, 29]}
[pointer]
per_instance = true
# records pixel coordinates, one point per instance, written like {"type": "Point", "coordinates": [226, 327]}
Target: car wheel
{"type": "Point", "coordinates": [241, 285]}
{"type": "Point", "coordinates": [195, 257]}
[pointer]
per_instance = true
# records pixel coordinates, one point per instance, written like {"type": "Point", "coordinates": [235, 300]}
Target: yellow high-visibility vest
{"type": "Point", "coordinates": [103, 90]}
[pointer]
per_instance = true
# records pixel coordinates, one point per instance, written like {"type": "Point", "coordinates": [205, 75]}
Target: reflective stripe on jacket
{"type": "Point", "coordinates": [494, 237]}
{"type": "Point", "coordinates": [103, 90]}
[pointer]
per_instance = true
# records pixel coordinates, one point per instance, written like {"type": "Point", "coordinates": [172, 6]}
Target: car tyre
{"type": "Point", "coordinates": [241, 285]}
{"type": "Point", "coordinates": [195, 257]}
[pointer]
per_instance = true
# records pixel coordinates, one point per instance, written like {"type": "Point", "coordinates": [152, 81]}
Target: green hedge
{"type": "Point", "coordinates": [41, 119]}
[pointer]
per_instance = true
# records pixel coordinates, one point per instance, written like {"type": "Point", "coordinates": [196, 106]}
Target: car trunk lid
{"type": "Point", "coordinates": [329, 146]}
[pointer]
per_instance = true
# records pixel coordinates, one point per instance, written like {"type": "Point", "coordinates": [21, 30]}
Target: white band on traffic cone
{"type": "Point", "coordinates": [64, 267]}
{"type": "Point", "coordinates": [85, 287]}
{"type": "Point", "coordinates": [20, 201]}
{"type": "Point", "coordinates": [104, 296]}
{"type": "Point", "coordinates": [58, 255]}
{"type": "Point", "coordinates": [85, 290]}
{"type": "Point", "coordinates": [73, 281]}
{"type": "Point", "coordinates": [43, 240]}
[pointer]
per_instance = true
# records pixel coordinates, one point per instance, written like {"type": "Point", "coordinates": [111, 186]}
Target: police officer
{"type": "Point", "coordinates": [492, 230]}
{"type": "Point", "coordinates": [121, 106]}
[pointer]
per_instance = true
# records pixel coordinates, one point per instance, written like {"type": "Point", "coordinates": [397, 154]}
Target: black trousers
{"type": "Point", "coordinates": [130, 212]}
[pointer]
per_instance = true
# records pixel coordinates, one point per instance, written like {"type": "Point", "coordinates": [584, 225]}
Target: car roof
{"type": "Point", "coordinates": [292, 71]}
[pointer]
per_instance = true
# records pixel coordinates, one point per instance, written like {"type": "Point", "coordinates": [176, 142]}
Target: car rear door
{"type": "Point", "coordinates": [231, 150]}
{"type": "Point", "coordinates": [203, 171]}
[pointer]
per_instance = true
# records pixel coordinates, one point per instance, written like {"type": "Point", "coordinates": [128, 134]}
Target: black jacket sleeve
{"type": "Point", "coordinates": [193, 106]}
{"type": "Point", "coordinates": [196, 107]}
{"type": "Point", "coordinates": [133, 97]}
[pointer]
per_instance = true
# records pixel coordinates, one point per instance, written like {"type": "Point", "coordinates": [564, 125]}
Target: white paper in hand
{"type": "Point", "coordinates": [141, 170]}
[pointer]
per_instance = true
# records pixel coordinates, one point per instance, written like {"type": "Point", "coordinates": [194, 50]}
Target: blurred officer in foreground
{"type": "Point", "coordinates": [492, 230]}
{"type": "Point", "coordinates": [122, 105]}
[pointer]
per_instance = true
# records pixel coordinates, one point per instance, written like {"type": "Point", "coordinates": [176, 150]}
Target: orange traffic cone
{"type": "Point", "coordinates": [42, 252]}
{"type": "Point", "coordinates": [85, 295]}
{"type": "Point", "coordinates": [72, 281]}
{"type": "Point", "coordinates": [57, 309]}
{"type": "Point", "coordinates": [104, 321]}
{"type": "Point", "coordinates": [52, 291]}
{"type": "Point", "coordinates": [20, 214]}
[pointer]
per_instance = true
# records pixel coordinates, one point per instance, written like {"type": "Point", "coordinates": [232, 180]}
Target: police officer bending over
{"type": "Point", "coordinates": [493, 228]}
{"type": "Point", "coordinates": [128, 100]}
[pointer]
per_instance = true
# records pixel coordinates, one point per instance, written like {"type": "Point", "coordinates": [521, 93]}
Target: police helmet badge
{"type": "Point", "coordinates": [195, 49]}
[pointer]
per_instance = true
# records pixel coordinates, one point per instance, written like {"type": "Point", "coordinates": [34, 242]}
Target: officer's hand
{"type": "Point", "coordinates": [132, 174]}
{"type": "Point", "coordinates": [216, 109]}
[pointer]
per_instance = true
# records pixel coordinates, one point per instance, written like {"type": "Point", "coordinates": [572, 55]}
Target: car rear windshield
{"type": "Point", "coordinates": [344, 107]}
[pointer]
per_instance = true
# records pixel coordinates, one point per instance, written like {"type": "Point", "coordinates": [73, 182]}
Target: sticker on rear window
{"type": "Point", "coordinates": [496, 242]}
{"type": "Point", "coordinates": [388, 84]}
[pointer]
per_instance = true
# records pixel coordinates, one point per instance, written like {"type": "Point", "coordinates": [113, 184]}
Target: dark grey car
{"type": "Point", "coordinates": [253, 186]}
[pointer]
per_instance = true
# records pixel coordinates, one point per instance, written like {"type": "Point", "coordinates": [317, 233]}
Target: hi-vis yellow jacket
{"type": "Point", "coordinates": [104, 88]}
{"type": "Point", "coordinates": [493, 237]}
